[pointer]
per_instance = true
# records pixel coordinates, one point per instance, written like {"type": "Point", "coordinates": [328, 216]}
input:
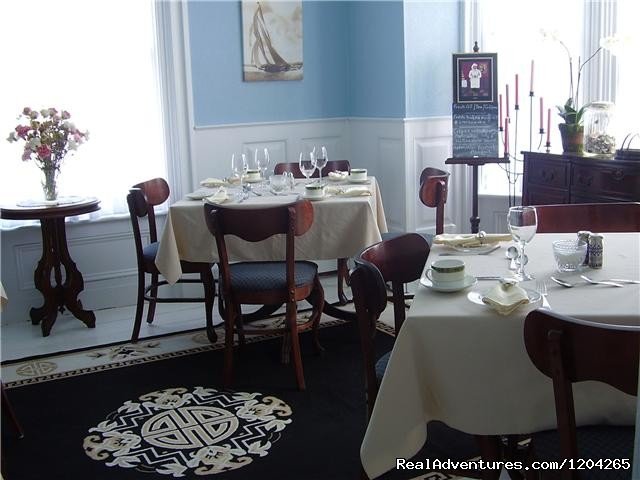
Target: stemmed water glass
{"type": "Point", "coordinates": [523, 223]}
{"type": "Point", "coordinates": [320, 159]}
{"type": "Point", "coordinates": [239, 168]}
{"type": "Point", "coordinates": [307, 164]}
{"type": "Point", "coordinates": [262, 161]}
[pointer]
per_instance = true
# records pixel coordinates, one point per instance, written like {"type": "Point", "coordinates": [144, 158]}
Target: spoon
{"type": "Point", "coordinates": [522, 260]}
{"type": "Point", "coordinates": [562, 282]}
{"type": "Point", "coordinates": [512, 254]}
{"type": "Point", "coordinates": [594, 282]}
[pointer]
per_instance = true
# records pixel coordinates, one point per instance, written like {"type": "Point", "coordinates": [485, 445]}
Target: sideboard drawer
{"type": "Point", "coordinates": [551, 174]}
{"type": "Point", "coordinates": [607, 180]}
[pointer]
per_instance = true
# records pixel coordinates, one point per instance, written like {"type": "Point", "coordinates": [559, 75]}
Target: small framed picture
{"type": "Point", "coordinates": [475, 77]}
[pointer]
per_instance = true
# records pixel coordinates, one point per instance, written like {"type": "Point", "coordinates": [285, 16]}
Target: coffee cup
{"type": "Point", "coordinates": [314, 190]}
{"type": "Point", "coordinates": [358, 174]}
{"type": "Point", "coordinates": [446, 272]}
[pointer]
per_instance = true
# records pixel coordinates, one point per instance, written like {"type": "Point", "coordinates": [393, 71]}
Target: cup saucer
{"type": "Point", "coordinates": [468, 281]}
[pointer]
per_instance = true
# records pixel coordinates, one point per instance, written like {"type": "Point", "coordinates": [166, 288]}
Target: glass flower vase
{"type": "Point", "coordinates": [50, 183]}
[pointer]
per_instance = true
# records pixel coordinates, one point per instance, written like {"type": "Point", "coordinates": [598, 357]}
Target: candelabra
{"type": "Point", "coordinates": [513, 169]}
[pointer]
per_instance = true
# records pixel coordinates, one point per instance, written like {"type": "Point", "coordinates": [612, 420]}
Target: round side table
{"type": "Point", "coordinates": [55, 254]}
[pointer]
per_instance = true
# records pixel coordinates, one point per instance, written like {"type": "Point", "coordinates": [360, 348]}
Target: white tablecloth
{"type": "Point", "coordinates": [342, 226]}
{"type": "Point", "coordinates": [463, 364]}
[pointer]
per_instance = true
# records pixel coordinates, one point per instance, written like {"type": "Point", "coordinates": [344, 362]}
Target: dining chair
{"type": "Point", "coordinates": [266, 282]}
{"type": "Point", "coordinates": [597, 217]}
{"type": "Point", "coordinates": [569, 350]}
{"type": "Point", "coordinates": [142, 200]}
{"type": "Point", "coordinates": [373, 268]}
{"type": "Point", "coordinates": [331, 166]}
{"type": "Point", "coordinates": [400, 260]}
{"type": "Point", "coordinates": [433, 191]}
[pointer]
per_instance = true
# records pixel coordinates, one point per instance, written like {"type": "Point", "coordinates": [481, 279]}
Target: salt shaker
{"type": "Point", "coordinates": [583, 236]}
{"type": "Point", "coordinates": [595, 250]}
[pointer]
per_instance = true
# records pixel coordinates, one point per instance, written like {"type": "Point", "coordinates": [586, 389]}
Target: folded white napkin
{"type": "Point", "coordinates": [213, 182]}
{"type": "Point", "coordinates": [470, 239]}
{"type": "Point", "coordinates": [505, 297]}
{"type": "Point", "coordinates": [338, 175]}
{"type": "Point", "coordinates": [220, 196]}
{"type": "Point", "coordinates": [348, 192]}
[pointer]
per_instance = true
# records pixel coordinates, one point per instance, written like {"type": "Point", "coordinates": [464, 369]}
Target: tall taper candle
{"type": "Point", "coordinates": [517, 103]}
{"type": "Point", "coordinates": [549, 125]}
{"type": "Point", "coordinates": [531, 86]}
{"type": "Point", "coordinates": [507, 110]}
{"type": "Point", "coordinates": [541, 114]}
{"type": "Point", "coordinates": [506, 137]}
{"type": "Point", "coordinates": [500, 103]}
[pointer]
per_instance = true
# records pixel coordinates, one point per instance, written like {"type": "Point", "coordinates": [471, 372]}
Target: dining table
{"type": "Point", "coordinates": [457, 360]}
{"type": "Point", "coordinates": [344, 222]}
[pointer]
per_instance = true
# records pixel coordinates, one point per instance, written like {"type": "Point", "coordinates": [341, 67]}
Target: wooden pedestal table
{"type": "Point", "coordinates": [475, 162]}
{"type": "Point", "coordinates": [55, 255]}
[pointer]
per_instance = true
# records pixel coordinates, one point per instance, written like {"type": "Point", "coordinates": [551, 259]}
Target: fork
{"type": "Point", "coordinates": [541, 287]}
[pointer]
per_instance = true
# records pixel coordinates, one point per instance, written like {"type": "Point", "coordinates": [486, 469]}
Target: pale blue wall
{"type": "Point", "coordinates": [221, 97]}
{"type": "Point", "coordinates": [376, 59]}
{"type": "Point", "coordinates": [431, 36]}
{"type": "Point", "coordinates": [361, 58]}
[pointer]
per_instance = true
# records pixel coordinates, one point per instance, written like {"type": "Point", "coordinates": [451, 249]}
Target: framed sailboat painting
{"type": "Point", "coordinates": [272, 40]}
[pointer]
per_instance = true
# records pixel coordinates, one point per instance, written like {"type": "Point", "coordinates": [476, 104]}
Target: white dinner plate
{"type": "Point", "coordinates": [469, 280]}
{"type": "Point", "coordinates": [199, 194]}
{"type": "Point", "coordinates": [484, 248]}
{"type": "Point", "coordinates": [476, 297]}
{"type": "Point", "coordinates": [365, 181]}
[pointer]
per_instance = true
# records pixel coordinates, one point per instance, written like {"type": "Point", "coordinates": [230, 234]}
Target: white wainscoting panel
{"type": "Point", "coordinates": [377, 144]}
{"type": "Point", "coordinates": [428, 144]}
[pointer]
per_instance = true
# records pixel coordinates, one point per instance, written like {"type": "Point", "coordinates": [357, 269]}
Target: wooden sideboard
{"type": "Point", "coordinates": [567, 178]}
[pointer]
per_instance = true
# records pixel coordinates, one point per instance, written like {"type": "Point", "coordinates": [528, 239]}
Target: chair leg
{"type": "Point", "coordinates": [343, 275]}
{"type": "Point", "coordinates": [229, 321]}
{"type": "Point", "coordinates": [317, 300]}
{"type": "Point", "coordinates": [153, 293]}
{"type": "Point", "coordinates": [209, 296]}
{"type": "Point", "coordinates": [489, 451]}
{"type": "Point", "coordinates": [8, 408]}
{"type": "Point", "coordinates": [139, 308]}
{"type": "Point", "coordinates": [292, 321]}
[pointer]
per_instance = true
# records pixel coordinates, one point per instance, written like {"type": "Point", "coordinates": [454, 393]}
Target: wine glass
{"type": "Point", "coordinates": [262, 161]}
{"type": "Point", "coordinates": [523, 223]}
{"type": "Point", "coordinates": [239, 167]}
{"type": "Point", "coordinates": [321, 159]}
{"type": "Point", "coordinates": [307, 164]}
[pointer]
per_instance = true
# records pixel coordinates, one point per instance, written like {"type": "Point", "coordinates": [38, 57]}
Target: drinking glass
{"type": "Point", "coordinates": [523, 223]}
{"type": "Point", "coordinates": [262, 161]}
{"type": "Point", "coordinates": [239, 167]}
{"type": "Point", "coordinates": [306, 162]}
{"type": "Point", "coordinates": [320, 159]}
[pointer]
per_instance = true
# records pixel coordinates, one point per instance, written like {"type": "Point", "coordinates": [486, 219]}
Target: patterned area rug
{"type": "Point", "coordinates": [145, 411]}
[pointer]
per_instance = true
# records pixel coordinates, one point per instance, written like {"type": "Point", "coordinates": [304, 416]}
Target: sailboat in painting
{"type": "Point", "coordinates": [266, 63]}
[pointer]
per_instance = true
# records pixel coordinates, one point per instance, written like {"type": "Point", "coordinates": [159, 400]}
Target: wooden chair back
{"type": "Point", "coordinates": [569, 350]}
{"type": "Point", "coordinates": [434, 186]}
{"type": "Point", "coordinates": [332, 165]}
{"type": "Point", "coordinates": [400, 260]}
{"type": "Point", "coordinates": [597, 217]}
{"type": "Point", "coordinates": [370, 300]}
{"type": "Point", "coordinates": [255, 225]}
{"type": "Point", "coordinates": [142, 199]}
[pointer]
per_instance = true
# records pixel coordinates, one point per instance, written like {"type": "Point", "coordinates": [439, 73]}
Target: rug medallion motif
{"type": "Point", "coordinates": [176, 431]}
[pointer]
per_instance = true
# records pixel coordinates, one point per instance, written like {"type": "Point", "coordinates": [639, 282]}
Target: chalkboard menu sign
{"type": "Point", "coordinates": [475, 130]}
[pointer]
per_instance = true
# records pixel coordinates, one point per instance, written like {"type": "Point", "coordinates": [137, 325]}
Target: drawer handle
{"type": "Point", "coordinates": [618, 174]}
{"type": "Point", "coordinates": [585, 180]}
{"type": "Point", "coordinates": [548, 176]}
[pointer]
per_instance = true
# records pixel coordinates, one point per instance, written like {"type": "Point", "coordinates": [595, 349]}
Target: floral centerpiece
{"type": "Point", "coordinates": [48, 135]}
